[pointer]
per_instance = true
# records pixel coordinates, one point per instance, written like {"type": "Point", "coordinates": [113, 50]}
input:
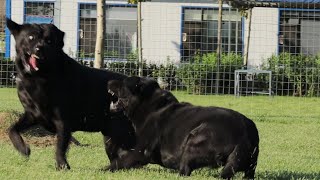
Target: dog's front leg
{"type": "Point", "coordinates": [111, 148]}
{"type": "Point", "coordinates": [63, 139]}
{"type": "Point", "coordinates": [21, 125]}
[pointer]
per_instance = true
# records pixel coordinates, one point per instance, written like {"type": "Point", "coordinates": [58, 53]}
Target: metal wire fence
{"type": "Point", "coordinates": [180, 39]}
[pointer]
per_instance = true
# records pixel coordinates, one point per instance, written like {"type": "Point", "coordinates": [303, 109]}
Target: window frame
{"type": "Point", "coordinates": [203, 8]}
{"type": "Point", "coordinates": [38, 1]}
{"type": "Point", "coordinates": [78, 26]}
{"type": "Point", "coordinates": [280, 12]}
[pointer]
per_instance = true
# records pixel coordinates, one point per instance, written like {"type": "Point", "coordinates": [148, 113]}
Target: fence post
{"type": "Point", "coordinates": [219, 47]}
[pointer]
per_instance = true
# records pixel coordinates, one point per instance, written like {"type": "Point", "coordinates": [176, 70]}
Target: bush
{"type": "Point", "coordinates": [165, 73]}
{"type": "Point", "coordinates": [200, 75]}
{"type": "Point", "coordinates": [296, 75]}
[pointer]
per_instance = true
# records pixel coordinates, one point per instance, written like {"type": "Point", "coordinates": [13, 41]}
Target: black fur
{"type": "Point", "coordinates": [62, 95]}
{"type": "Point", "coordinates": [182, 136]}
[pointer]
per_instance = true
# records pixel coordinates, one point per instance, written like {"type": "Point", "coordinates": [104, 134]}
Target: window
{"type": "Point", "coordinates": [39, 12]}
{"type": "Point", "coordinates": [299, 32]}
{"type": "Point", "coordinates": [200, 31]}
{"type": "Point", "coordinates": [121, 31]}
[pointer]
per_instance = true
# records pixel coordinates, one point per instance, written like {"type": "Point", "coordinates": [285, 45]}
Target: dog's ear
{"type": "Point", "coordinates": [60, 36]}
{"type": "Point", "coordinates": [13, 27]}
{"type": "Point", "coordinates": [141, 86]}
{"type": "Point", "coordinates": [148, 87]}
{"type": "Point", "coordinates": [133, 83]}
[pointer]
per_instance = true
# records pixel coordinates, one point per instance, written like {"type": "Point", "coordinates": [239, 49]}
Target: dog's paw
{"type": "Point", "coordinates": [63, 166]}
{"type": "Point", "coordinates": [114, 166]}
{"type": "Point", "coordinates": [109, 168]}
{"type": "Point", "coordinates": [26, 151]}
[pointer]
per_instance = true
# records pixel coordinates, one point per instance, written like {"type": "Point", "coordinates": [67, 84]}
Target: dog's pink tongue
{"type": "Point", "coordinates": [33, 63]}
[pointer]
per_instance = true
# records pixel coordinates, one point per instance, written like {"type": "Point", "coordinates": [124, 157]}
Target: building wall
{"type": "Point", "coordinates": [17, 16]}
{"type": "Point", "coordinates": [69, 22]}
{"type": "Point", "coordinates": [264, 35]}
{"type": "Point", "coordinates": [66, 18]}
{"type": "Point", "coordinates": [161, 29]}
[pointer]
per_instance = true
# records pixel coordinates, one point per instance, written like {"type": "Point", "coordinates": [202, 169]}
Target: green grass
{"type": "Point", "coordinates": [289, 129]}
{"type": "Point", "coordinates": [9, 100]}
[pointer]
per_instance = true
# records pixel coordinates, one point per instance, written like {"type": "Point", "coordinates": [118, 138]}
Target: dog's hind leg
{"type": "Point", "coordinates": [196, 151]}
{"type": "Point", "coordinates": [21, 125]}
{"type": "Point", "coordinates": [235, 162]}
{"type": "Point", "coordinates": [251, 167]}
{"type": "Point", "coordinates": [63, 139]}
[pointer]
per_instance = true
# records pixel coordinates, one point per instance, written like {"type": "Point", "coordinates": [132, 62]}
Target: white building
{"type": "Point", "coordinates": [173, 30]}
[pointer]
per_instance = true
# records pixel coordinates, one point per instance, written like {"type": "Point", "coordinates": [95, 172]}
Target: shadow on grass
{"type": "Point", "coordinates": [269, 175]}
{"type": "Point", "coordinates": [284, 175]}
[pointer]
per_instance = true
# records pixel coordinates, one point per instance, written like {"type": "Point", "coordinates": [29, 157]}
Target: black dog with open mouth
{"type": "Point", "coordinates": [182, 136]}
{"type": "Point", "coordinates": [62, 95]}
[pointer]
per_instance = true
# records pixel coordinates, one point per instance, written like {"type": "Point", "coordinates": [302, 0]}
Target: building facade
{"type": "Point", "coordinates": [173, 30]}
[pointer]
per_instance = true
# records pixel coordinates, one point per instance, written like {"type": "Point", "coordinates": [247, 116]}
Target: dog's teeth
{"type": "Point", "coordinates": [33, 55]}
{"type": "Point", "coordinates": [109, 91]}
{"type": "Point", "coordinates": [28, 53]}
{"type": "Point", "coordinates": [36, 68]}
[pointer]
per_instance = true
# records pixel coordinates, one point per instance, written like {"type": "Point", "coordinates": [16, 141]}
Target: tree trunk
{"type": "Point", "coordinates": [101, 24]}
{"type": "Point", "coordinates": [246, 51]}
{"type": "Point", "coordinates": [140, 40]}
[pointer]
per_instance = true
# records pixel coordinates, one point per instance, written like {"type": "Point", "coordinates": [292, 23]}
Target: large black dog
{"type": "Point", "coordinates": [62, 95]}
{"type": "Point", "coordinates": [182, 136]}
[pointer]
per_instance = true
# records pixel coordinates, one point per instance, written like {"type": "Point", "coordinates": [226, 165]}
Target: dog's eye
{"type": "Point", "coordinates": [31, 37]}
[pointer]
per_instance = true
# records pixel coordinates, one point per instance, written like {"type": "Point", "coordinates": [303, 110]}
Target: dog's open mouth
{"type": "Point", "coordinates": [117, 104]}
{"type": "Point", "coordinates": [33, 62]}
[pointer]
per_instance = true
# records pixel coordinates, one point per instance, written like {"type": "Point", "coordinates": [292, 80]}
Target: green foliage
{"type": "Point", "coordinates": [297, 75]}
{"type": "Point", "coordinates": [135, 1]}
{"type": "Point", "coordinates": [129, 68]}
{"type": "Point", "coordinates": [199, 75]}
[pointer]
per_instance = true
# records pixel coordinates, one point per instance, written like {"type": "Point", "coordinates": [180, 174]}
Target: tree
{"type": "Point", "coordinates": [101, 28]}
{"type": "Point", "coordinates": [140, 63]}
{"type": "Point", "coordinates": [245, 11]}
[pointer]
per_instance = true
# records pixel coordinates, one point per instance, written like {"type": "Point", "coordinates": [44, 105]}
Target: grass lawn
{"type": "Point", "coordinates": [289, 129]}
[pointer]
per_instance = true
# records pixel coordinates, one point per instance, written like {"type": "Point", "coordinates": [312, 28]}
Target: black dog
{"type": "Point", "coordinates": [62, 95]}
{"type": "Point", "coordinates": [182, 136]}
